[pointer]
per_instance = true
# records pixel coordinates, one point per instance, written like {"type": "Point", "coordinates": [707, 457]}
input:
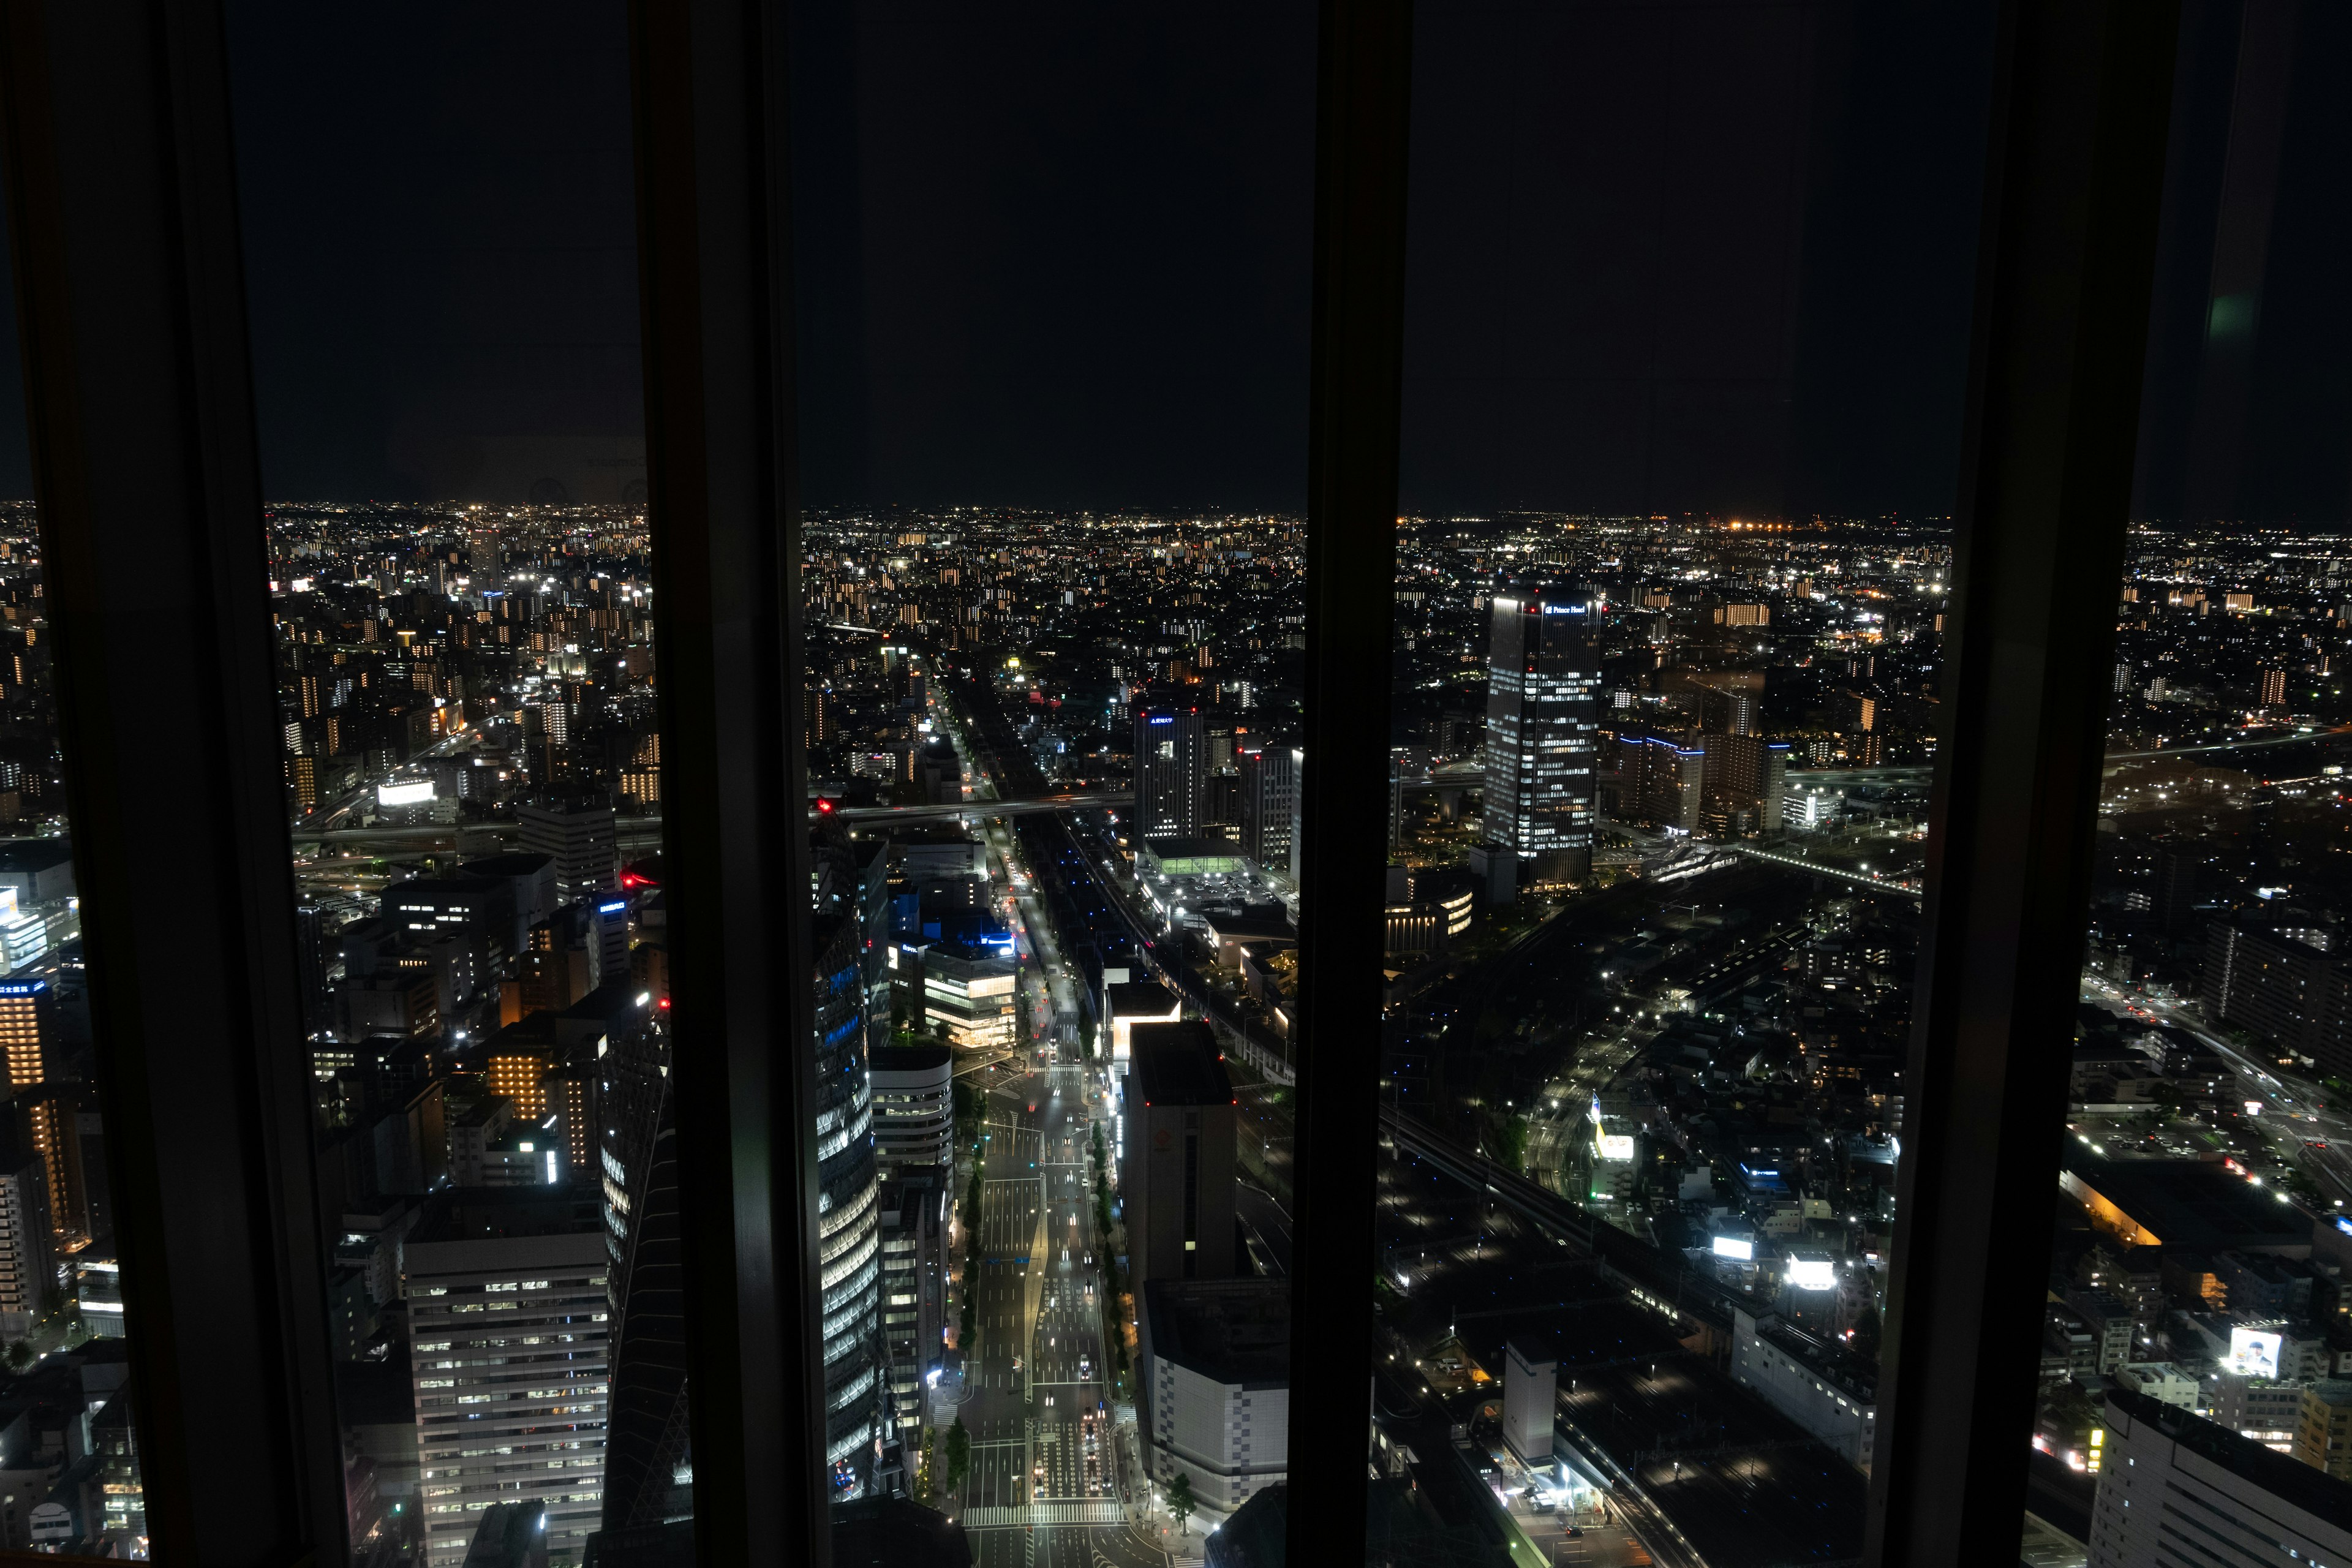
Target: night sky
{"type": "Point", "coordinates": [1665, 257]}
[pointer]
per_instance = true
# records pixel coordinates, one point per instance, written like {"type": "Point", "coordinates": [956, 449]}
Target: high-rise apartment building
{"type": "Point", "coordinates": [508, 1320]}
{"type": "Point", "coordinates": [53, 1116]}
{"type": "Point", "coordinates": [580, 838]}
{"type": "Point", "coordinates": [1170, 772]}
{"type": "Point", "coordinates": [484, 561]}
{"type": "Point", "coordinates": [1661, 780]}
{"type": "Point", "coordinates": [27, 1270]}
{"type": "Point", "coordinates": [27, 1031]}
{"type": "Point", "coordinates": [1543, 687]}
{"type": "Point", "coordinates": [1177, 1185]}
{"type": "Point", "coordinates": [2284, 982]}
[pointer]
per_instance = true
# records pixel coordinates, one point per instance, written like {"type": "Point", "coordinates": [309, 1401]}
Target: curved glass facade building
{"type": "Point", "coordinates": [849, 1185]}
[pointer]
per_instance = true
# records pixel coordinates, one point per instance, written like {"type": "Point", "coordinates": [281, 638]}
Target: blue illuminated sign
{"type": "Point", "coordinates": [613, 908]}
{"type": "Point", "coordinates": [23, 987]}
{"type": "Point", "coordinates": [1162, 720]}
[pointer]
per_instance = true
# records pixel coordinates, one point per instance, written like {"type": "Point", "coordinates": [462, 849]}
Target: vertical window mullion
{"type": "Point", "coordinates": [2080, 106]}
{"type": "Point", "coordinates": [123, 218]}
{"type": "Point", "coordinates": [1356, 388]}
{"type": "Point", "coordinates": [708, 87]}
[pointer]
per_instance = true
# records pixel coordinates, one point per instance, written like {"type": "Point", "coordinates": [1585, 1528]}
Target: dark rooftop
{"type": "Point", "coordinates": [2193, 1203]}
{"type": "Point", "coordinates": [1231, 1331]}
{"type": "Point", "coordinates": [908, 1058]}
{"type": "Point", "coordinates": [1138, 998]}
{"type": "Point", "coordinates": [465, 1214]}
{"type": "Point", "coordinates": [519, 863]}
{"type": "Point", "coordinates": [1179, 1064]}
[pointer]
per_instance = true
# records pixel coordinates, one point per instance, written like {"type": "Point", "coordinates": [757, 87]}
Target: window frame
{"type": "Point", "coordinates": [121, 198]}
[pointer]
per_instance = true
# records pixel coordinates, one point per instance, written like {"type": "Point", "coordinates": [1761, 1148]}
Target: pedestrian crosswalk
{"type": "Point", "coordinates": [1044, 1513]}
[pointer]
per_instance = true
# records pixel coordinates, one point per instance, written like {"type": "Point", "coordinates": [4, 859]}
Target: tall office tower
{"type": "Point", "coordinates": [914, 1105]}
{"type": "Point", "coordinates": [647, 1454]}
{"type": "Point", "coordinates": [507, 1319]}
{"type": "Point", "coordinates": [311, 965]}
{"type": "Point", "coordinates": [28, 1270]}
{"type": "Point", "coordinates": [2273, 688]}
{"type": "Point", "coordinates": [28, 1031]}
{"type": "Point", "coordinates": [1269, 786]}
{"type": "Point", "coordinates": [2166, 1475]}
{"type": "Point", "coordinates": [1168, 774]}
{"type": "Point", "coordinates": [579, 837]}
{"type": "Point", "coordinates": [1177, 1180]}
{"type": "Point", "coordinates": [1298, 810]}
{"type": "Point", "coordinates": [848, 1182]}
{"type": "Point", "coordinates": [1542, 729]}
{"type": "Point", "coordinates": [608, 941]}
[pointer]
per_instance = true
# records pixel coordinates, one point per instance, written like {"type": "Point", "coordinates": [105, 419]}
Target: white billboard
{"type": "Point", "coordinates": [2254, 1353]}
{"type": "Point", "coordinates": [1812, 1273]}
{"type": "Point", "coordinates": [1616, 1145]}
{"type": "Point", "coordinates": [415, 794]}
{"type": "Point", "coordinates": [1736, 1247]}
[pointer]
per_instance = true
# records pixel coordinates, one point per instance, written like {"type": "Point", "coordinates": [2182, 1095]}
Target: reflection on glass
{"type": "Point", "coordinates": [69, 1474]}
{"type": "Point", "coordinates": [2195, 1321]}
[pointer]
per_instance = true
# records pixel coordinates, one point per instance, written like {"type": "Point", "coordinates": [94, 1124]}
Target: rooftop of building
{"type": "Point", "coordinates": [34, 854]}
{"type": "Point", "coordinates": [514, 863]}
{"type": "Point", "coordinates": [1139, 999]}
{"type": "Point", "coordinates": [2314, 1491]}
{"type": "Point", "coordinates": [1228, 1330]}
{"type": "Point", "coordinates": [1818, 1356]}
{"type": "Point", "coordinates": [477, 1214]}
{"type": "Point", "coordinates": [909, 1058]}
{"type": "Point", "coordinates": [895, 1532]}
{"type": "Point", "coordinates": [1177, 1064]}
{"type": "Point", "coordinates": [2192, 1204]}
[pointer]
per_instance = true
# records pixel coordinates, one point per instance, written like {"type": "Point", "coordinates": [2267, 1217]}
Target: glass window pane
{"type": "Point", "coordinates": [2196, 1304]}
{"type": "Point", "coordinates": [69, 1471]}
{"type": "Point", "coordinates": [440, 236]}
{"type": "Point", "coordinates": [1688, 301]}
{"type": "Point", "coordinates": [1054, 278]}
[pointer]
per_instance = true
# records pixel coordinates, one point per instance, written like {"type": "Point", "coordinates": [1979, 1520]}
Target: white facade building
{"type": "Point", "coordinates": [511, 1382]}
{"type": "Point", "coordinates": [1793, 1373]}
{"type": "Point", "coordinates": [1215, 1386]}
{"type": "Point", "coordinates": [2174, 1488]}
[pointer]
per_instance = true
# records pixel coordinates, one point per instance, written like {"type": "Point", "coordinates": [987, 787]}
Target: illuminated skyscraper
{"type": "Point", "coordinates": [1168, 774]}
{"type": "Point", "coordinates": [1542, 693]}
{"type": "Point", "coordinates": [28, 1027]}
